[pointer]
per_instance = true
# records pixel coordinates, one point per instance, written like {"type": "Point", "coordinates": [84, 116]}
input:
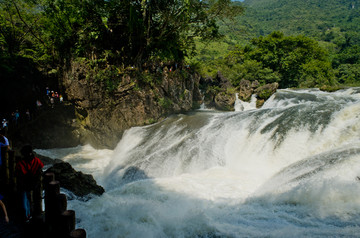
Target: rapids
{"type": "Point", "coordinates": [288, 169]}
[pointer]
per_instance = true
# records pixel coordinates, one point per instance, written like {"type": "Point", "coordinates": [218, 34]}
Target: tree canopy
{"type": "Point", "coordinates": [329, 30]}
{"type": "Point", "coordinates": [122, 31]}
{"type": "Point", "coordinates": [292, 61]}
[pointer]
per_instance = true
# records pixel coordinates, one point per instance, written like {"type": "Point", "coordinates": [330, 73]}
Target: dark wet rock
{"type": "Point", "coordinates": [133, 174]}
{"type": "Point", "coordinates": [77, 182]}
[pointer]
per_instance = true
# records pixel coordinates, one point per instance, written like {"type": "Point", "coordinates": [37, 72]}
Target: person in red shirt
{"type": "Point", "coordinates": [28, 172]}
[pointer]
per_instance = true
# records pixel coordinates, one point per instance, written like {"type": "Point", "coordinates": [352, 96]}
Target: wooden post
{"type": "Point", "coordinates": [37, 198]}
{"type": "Point", "coordinates": [48, 177]}
{"type": "Point", "coordinates": [58, 228]}
{"type": "Point", "coordinates": [53, 188]}
{"type": "Point", "coordinates": [78, 233]}
{"type": "Point", "coordinates": [59, 222]}
{"type": "Point", "coordinates": [61, 203]}
{"type": "Point", "coordinates": [36, 228]}
{"type": "Point", "coordinates": [51, 192]}
{"type": "Point", "coordinates": [67, 222]}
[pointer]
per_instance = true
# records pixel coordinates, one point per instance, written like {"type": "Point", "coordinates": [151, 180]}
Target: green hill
{"type": "Point", "coordinates": [309, 17]}
{"type": "Point", "coordinates": [334, 24]}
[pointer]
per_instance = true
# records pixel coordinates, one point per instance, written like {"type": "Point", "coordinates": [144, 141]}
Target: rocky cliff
{"type": "Point", "coordinates": [94, 114]}
{"type": "Point", "coordinates": [102, 115]}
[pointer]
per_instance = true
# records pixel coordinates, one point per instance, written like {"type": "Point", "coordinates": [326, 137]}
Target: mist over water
{"type": "Point", "coordinates": [286, 170]}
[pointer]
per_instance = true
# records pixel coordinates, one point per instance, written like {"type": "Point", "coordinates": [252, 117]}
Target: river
{"type": "Point", "coordinates": [288, 169]}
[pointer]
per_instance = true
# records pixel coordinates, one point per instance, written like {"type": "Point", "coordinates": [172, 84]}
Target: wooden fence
{"type": "Point", "coordinates": [55, 220]}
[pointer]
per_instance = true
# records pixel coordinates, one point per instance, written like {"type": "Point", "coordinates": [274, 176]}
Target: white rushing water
{"type": "Point", "coordinates": [286, 170]}
{"type": "Point", "coordinates": [244, 106]}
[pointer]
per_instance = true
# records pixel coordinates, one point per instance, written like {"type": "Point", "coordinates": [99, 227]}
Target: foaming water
{"type": "Point", "coordinates": [286, 170]}
{"type": "Point", "coordinates": [82, 158]}
{"type": "Point", "coordinates": [244, 106]}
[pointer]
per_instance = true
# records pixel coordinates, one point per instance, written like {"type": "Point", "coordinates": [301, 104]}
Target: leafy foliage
{"type": "Point", "coordinates": [106, 36]}
{"type": "Point", "coordinates": [291, 61]}
{"type": "Point", "coordinates": [122, 32]}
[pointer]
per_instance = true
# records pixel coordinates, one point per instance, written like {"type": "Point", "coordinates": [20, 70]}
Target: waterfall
{"type": "Point", "coordinates": [244, 106]}
{"type": "Point", "coordinates": [286, 170]}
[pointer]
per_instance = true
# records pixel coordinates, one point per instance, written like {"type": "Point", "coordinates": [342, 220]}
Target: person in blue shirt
{"type": "Point", "coordinates": [4, 143]}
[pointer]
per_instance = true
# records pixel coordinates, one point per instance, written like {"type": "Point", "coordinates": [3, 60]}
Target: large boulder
{"type": "Point", "coordinates": [77, 182]}
{"type": "Point", "coordinates": [264, 92]}
{"type": "Point", "coordinates": [217, 93]}
{"type": "Point", "coordinates": [246, 89]}
{"type": "Point", "coordinates": [225, 102]}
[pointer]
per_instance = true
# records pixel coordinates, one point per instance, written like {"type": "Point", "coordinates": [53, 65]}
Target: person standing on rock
{"type": "Point", "coordinates": [28, 171]}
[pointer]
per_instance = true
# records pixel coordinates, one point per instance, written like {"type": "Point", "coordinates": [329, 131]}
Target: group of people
{"type": "Point", "coordinates": [54, 97]}
{"type": "Point", "coordinates": [27, 171]}
{"type": "Point", "coordinates": [15, 119]}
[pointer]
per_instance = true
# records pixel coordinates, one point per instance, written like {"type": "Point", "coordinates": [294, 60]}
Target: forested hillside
{"type": "Point", "coordinates": [332, 25]}
{"type": "Point", "coordinates": [311, 17]}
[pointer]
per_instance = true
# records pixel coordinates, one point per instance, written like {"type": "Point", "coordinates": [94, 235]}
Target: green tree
{"type": "Point", "coordinates": [286, 55]}
{"type": "Point", "coordinates": [18, 28]}
{"type": "Point", "coordinates": [349, 74]}
{"type": "Point", "coordinates": [349, 55]}
{"type": "Point", "coordinates": [74, 28]}
{"type": "Point", "coordinates": [252, 70]}
{"type": "Point", "coordinates": [316, 73]}
{"type": "Point", "coordinates": [159, 29]}
{"type": "Point", "coordinates": [290, 60]}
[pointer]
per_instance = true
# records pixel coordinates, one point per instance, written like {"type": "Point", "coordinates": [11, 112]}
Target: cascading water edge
{"type": "Point", "coordinates": [286, 170]}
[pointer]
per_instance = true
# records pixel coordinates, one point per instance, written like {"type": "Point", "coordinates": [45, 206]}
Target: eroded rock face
{"type": "Point", "coordinates": [221, 95]}
{"type": "Point", "coordinates": [216, 95]}
{"type": "Point", "coordinates": [103, 116]}
{"type": "Point", "coordinates": [50, 128]}
{"type": "Point", "coordinates": [245, 90]}
{"type": "Point", "coordinates": [225, 102]}
{"type": "Point", "coordinates": [264, 92]}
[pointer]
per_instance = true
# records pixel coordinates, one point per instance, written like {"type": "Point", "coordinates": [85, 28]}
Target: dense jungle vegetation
{"type": "Point", "coordinates": [313, 43]}
{"type": "Point", "coordinates": [41, 39]}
